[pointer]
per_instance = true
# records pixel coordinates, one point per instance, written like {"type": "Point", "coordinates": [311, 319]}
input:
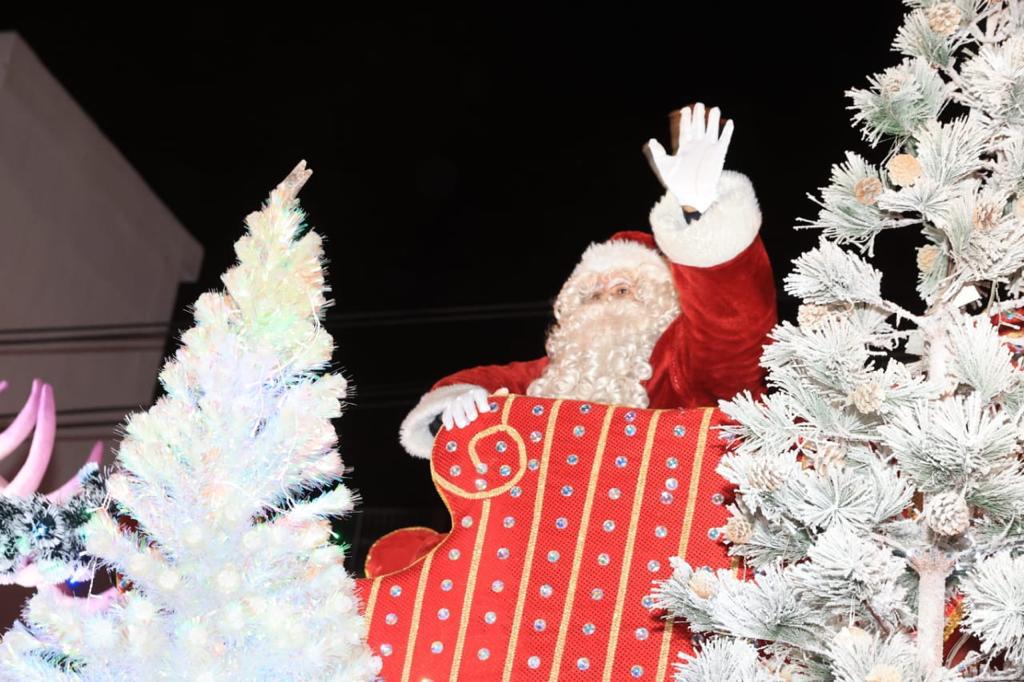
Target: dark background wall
{"type": "Point", "coordinates": [462, 159]}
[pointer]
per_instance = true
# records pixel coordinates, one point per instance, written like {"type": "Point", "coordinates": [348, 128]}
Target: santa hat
{"type": "Point", "coordinates": [628, 250]}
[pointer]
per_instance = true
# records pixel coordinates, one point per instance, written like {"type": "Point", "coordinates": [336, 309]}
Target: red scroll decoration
{"type": "Point", "coordinates": [563, 513]}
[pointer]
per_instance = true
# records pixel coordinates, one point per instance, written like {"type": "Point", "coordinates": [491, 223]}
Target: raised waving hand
{"type": "Point", "coordinates": [692, 173]}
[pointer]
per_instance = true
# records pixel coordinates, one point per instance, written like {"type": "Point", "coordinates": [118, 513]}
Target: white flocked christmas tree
{"type": "Point", "coordinates": [880, 493]}
{"type": "Point", "coordinates": [229, 558]}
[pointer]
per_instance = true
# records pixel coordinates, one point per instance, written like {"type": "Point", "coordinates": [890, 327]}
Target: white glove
{"type": "Point", "coordinates": [465, 407]}
{"type": "Point", "coordinates": [692, 174]}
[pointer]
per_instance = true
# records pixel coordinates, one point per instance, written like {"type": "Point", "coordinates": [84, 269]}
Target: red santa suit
{"type": "Point", "coordinates": [710, 351]}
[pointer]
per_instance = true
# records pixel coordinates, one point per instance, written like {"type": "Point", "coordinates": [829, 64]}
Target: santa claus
{"type": "Point", "coordinates": [676, 318]}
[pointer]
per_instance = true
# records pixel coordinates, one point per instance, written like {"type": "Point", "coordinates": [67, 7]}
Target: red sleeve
{"type": "Point", "coordinates": [515, 376]}
{"type": "Point", "coordinates": [727, 311]}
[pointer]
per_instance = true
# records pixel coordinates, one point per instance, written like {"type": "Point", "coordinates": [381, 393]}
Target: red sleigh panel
{"type": "Point", "coordinates": [563, 513]}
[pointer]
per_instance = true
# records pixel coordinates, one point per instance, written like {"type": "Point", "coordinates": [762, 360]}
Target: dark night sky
{"type": "Point", "coordinates": [460, 158]}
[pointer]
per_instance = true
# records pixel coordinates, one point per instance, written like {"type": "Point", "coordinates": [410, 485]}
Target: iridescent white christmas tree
{"type": "Point", "coordinates": [232, 570]}
{"type": "Point", "coordinates": [880, 483]}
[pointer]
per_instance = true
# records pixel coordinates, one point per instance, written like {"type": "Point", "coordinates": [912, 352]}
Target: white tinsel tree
{"type": "Point", "coordinates": [232, 572]}
{"type": "Point", "coordinates": [880, 482]}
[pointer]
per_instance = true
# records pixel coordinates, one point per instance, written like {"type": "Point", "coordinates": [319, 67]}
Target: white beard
{"type": "Point", "coordinates": [602, 350]}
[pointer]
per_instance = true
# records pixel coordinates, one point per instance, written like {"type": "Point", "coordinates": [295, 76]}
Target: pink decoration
{"type": "Point", "coordinates": [38, 416]}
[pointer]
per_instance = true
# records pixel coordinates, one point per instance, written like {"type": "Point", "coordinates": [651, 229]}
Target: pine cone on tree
{"type": "Point", "coordinates": [927, 256]}
{"type": "Point", "coordinates": [986, 216]}
{"type": "Point", "coordinates": [947, 513]}
{"type": "Point", "coordinates": [811, 315]}
{"type": "Point", "coordinates": [764, 475]}
{"type": "Point", "coordinates": [868, 396]}
{"type": "Point", "coordinates": [904, 169]}
{"type": "Point", "coordinates": [737, 530]}
{"type": "Point", "coordinates": [944, 18]}
{"type": "Point", "coordinates": [867, 190]}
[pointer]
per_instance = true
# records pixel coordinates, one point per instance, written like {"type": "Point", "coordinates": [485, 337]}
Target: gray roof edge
{"type": "Point", "coordinates": [17, 53]}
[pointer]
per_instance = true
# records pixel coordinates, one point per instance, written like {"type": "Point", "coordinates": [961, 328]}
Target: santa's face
{"type": "Point", "coordinates": [607, 325]}
{"type": "Point", "coordinates": [613, 286]}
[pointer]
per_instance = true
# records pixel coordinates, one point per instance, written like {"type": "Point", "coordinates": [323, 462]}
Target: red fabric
{"type": "Point", "coordinates": [1011, 327]}
{"type": "Point", "coordinates": [563, 512]}
{"type": "Point", "coordinates": [709, 352]}
{"type": "Point", "coordinates": [399, 549]}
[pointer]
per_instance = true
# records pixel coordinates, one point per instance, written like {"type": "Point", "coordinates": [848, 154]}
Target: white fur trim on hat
{"type": "Point", "coordinates": [621, 254]}
{"type": "Point", "coordinates": [414, 434]}
{"type": "Point", "coordinates": [720, 234]}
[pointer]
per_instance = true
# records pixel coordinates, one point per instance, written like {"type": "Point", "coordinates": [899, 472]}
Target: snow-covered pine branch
{"type": "Point", "coordinates": [880, 481]}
